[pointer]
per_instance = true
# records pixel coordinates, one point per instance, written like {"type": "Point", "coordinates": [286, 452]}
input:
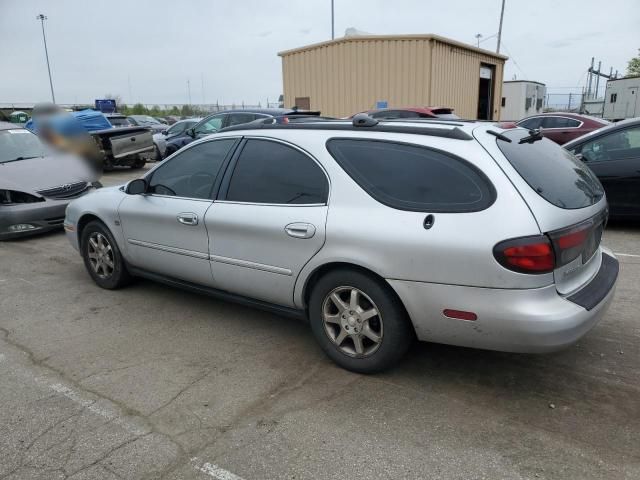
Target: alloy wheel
{"type": "Point", "coordinates": [100, 255]}
{"type": "Point", "coordinates": [352, 321]}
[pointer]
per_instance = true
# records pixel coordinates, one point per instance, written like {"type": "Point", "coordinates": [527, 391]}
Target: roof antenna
{"type": "Point", "coordinates": [364, 120]}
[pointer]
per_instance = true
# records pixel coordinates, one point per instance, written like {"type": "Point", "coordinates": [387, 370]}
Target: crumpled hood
{"type": "Point", "coordinates": [55, 169]}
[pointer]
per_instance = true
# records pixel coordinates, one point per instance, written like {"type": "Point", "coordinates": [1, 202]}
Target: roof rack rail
{"type": "Point", "coordinates": [345, 125]}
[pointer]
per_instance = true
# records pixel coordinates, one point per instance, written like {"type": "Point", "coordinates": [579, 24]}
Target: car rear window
{"type": "Point", "coordinates": [554, 173]}
{"type": "Point", "coordinates": [413, 177]}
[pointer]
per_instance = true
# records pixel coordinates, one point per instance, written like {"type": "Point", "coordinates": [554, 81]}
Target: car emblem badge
{"type": "Point", "coordinates": [66, 187]}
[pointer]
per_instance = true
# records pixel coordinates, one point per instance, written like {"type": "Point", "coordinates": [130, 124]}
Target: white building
{"type": "Point", "coordinates": [621, 98]}
{"type": "Point", "coordinates": [521, 98]}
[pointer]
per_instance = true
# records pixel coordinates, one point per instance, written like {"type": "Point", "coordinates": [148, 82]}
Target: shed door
{"type": "Point", "coordinates": [485, 92]}
{"type": "Point", "coordinates": [632, 103]}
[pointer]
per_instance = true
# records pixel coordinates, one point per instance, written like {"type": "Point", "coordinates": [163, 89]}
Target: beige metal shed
{"type": "Point", "coordinates": [351, 74]}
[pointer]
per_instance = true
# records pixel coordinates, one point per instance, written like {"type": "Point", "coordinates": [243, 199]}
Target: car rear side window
{"type": "Point", "coordinates": [271, 172]}
{"type": "Point", "coordinates": [554, 173]}
{"type": "Point", "coordinates": [412, 177]}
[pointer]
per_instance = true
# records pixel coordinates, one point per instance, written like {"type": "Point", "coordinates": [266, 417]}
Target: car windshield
{"type": "Point", "coordinates": [119, 121]}
{"type": "Point", "coordinates": [145, 119]}
{"type": "Point", "coordinates": [19, 144]}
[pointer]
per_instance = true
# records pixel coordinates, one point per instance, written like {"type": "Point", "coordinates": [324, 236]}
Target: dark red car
{"type": "Point", "coordinates": [413, 112]}
{"type": "Point", "coordinates": [562, 127]}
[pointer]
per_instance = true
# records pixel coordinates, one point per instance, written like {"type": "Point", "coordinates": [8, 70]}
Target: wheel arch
{"type": "Point", "coordinates": [321, 270]}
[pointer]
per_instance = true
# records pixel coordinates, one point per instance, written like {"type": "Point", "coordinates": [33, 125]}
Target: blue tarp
{"type": "Point", "coordinates": [72, 123]}
{"type": "Point", "coordinates": [92, 120]}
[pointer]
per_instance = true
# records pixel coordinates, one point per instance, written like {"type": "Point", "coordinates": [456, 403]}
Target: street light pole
{"type": "Point", "coordinates": [333, 32]}
{"type": "Point", "coordinates": [42, 18]}
{"type": "Point", "coordinates": [500, 27]}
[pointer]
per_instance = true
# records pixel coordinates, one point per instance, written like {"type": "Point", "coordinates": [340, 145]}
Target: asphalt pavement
{"type": "Point", "coordinates": [150, 382]}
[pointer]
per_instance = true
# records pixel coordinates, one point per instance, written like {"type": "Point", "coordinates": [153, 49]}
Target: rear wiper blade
{"type": "Point", "coordinates": [499, 136]}
{"type": "Point", "coordinates": [21, 158]}
{"type": "Point", "coordinates": [534, 136]}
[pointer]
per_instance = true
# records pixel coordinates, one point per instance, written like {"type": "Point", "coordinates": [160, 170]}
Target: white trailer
{"type": "Point", "coordinates": [522, 98]}
{"type": "Point", "coordinates": [621, 98]}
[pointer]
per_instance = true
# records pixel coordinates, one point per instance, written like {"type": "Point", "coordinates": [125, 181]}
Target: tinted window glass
{"type": "Point", "coordinates": [559, 122]}
{"type": "Point", "coordinates": [192, 172]}
{"type": "Point", "coordinates": [531, 123]}
{"type": "Point", "coordinates": [212, 125]}
{"type": "Point", "coordinates": [411, 177]}
{"type": "Point", "coordinates": [178, 128]}
{"type": "Point", "coordinates": [270, 172]}
{"type": "Point", "coordinates": [240, 118]}
{"type": "Point", "coordinates": [619, 145]}
{"type": "Point", "coordinates": [555, 174]}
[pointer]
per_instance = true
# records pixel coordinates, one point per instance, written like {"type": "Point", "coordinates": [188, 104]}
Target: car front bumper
{"type": "Point", "coordinates": [527, 321]}
{"type": "Point", "coordinates": [44, 216]}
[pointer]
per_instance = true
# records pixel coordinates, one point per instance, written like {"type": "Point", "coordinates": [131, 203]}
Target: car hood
{"type": "Point", "coordinates": [52, 170]}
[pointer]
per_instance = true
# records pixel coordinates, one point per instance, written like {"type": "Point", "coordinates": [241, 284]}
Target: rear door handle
{"type": "Point", "coordinates": [188, 218]}
{"type": "Point", "coordinates": [300, 230]}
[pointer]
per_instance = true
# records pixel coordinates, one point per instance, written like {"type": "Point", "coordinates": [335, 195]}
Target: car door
{"type": "Point", "coordinates": [615, 159]}
{"type": "Point", "coordinates": [268, 221]}
{"type": "Point", "coordinates": [164, 228]}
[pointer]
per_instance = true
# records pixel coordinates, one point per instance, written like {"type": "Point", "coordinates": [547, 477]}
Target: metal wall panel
{"type": "Point", "coordinates": [349, 75]}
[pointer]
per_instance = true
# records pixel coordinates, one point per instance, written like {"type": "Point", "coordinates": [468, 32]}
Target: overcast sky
{"type": "Point", "coordinates": [231, 45]}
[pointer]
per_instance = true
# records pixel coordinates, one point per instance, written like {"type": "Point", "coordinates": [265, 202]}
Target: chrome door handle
{"type": "Point", "coordinates": [190, 219]}
{"type": "Point", "coordinates": [300, 230]}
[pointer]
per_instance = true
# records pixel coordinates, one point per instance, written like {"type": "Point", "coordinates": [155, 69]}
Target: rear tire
{"type": "Point", "coordinates": [359, 322]}
{"type": "Point", "coordinates": [102, 257]}
{"type": "Point", "coordinates": [139, 163]}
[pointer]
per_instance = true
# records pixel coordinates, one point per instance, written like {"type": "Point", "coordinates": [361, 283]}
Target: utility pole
{"type": "Point", "coordinates": [478, 37]}
{"type": "Point", "coordinates": [333, 30]}
{"type": "Point", "coordinates": [202, 80]}
{"type": "Point", "coordinates": [130, 99]}
{"type": "Point", "coordinates": [189, 90]}
{"type": "Point", "coordinates": [500, 27]}
{"type": "Point", "coordinates": [598, 79]}
{"type": "Point", "coordinates": [42, 18]}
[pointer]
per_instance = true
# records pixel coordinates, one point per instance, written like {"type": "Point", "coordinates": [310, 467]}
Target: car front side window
{"type": "Point", "coordinates": [192, 172]}
{"type": "Point", "coordinates": [619, 145]}
{"type": "Point", "coordinates": [212, 125]}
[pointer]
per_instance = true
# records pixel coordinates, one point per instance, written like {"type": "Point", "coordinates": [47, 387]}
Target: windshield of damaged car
{"type": "Point", "coordinates": [145, 119]}
{"type": "Point", "coordinates": [19, 144]}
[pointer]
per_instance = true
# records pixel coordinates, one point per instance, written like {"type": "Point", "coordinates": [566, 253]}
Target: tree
{"type": "Point", "coordinates": [633, 67]}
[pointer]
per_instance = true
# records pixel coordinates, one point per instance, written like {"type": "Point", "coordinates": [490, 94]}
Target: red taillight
{"type": "Point", "coordinates": [526, 255]}
{"type": "Point", "coordinates": [573, 239]}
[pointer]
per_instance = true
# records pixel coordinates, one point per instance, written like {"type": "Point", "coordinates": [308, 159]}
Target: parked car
{"type": "Point", "coordinates": [562, 127]}
{"type": "Point", "coordinates": [90, 134]}
{"type": "Point", "coordinates": [36, 183]}
{"type": "Point", "coordinates": [412, 112]}
{"type": "Point", "coordinates": [178, 128]}
{"type": "Point", "coordinates": [229, 118]}
{"type": "Point", "coordinates": [613, 154]}
{"type": "Point", "coordinates": [458, 233]}
{"type": "Point", "coordinates": [147, 121]}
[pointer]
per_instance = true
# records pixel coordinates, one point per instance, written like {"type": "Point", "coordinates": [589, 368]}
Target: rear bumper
{"type": "Point", "coordinates": [528, 321]}
{"type": "Point", "coordinates": [44, 216]}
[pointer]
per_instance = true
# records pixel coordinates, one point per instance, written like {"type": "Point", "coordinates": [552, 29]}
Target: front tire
{"type": "Point", "coordinates": [102, 257]}
{"type": "Point", "coordinates": [359, 322]}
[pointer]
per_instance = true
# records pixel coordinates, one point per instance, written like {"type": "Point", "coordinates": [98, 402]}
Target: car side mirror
{"type": "Point", "coordinates": [191, 132]}
{"type": "Point", "coordinates": [165, 132]}
{"type": "Point", "coordinates": [136, 187]}
{"type": "Point", "coordinates": [579, 156]}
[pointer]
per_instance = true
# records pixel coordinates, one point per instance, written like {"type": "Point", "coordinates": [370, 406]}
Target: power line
{"type": "Point", "coordinates": [512, 58]}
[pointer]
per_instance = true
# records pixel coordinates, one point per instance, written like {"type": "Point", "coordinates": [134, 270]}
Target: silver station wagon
{"type": "Point", "coordinates": [378, 233]}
